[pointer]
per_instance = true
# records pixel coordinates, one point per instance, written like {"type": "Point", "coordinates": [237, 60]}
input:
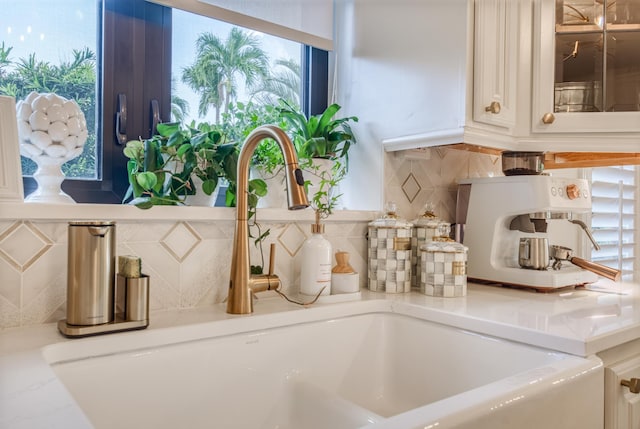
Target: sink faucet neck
{"type": "Point", "coordinates": [241, 283]}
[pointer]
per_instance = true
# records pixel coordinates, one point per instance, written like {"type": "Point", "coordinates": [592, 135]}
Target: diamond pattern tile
{"type": "Point", "coordinates": [22, 244]}
{"type": "Point", "coordinates": [411, 187]}
{"type": "Point", "coordinates": [33, 255]}
{"type": "Point", "coordinates": [292, 238]}
{"type": "Point", "coordinates": [180, 241]}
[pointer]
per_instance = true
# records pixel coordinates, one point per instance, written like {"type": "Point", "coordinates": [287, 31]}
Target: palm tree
{"type": "Point", "coordinates": [284, 84]}
{"type": "Point", "coordinates": [4, 59]}
{"type": "Point", "coordinates": [219, 64]}
{"type": "Point", "coordinates": [179, 105]}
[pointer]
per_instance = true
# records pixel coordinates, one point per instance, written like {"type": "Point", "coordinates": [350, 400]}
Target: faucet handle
{"type": "Point", "coordinates": [272, 259]}
{"type": "Point", "coordinates": [269, 281]}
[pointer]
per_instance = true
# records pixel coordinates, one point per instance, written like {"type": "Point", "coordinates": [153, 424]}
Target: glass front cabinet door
{"type": "Point", "coordinates": [586, 74]}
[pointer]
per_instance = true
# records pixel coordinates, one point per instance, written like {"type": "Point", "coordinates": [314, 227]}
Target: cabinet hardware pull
{"type": "Point", "coordinates": [633, 385]}
{"type": "Point", "coordinates": [494, 107]}
{"type": "Point", "coordinates": [548, 118]}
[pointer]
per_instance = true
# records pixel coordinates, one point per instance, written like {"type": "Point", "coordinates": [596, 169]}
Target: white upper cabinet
{"type": "Point", "coordinates": [507, 74]}
{"type": "Point", "coordinates": [495, 60]}
{"type": "Point", "coordinates": [586, 63]}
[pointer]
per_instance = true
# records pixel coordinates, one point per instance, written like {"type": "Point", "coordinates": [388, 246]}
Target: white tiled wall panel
{"type": "Point", "coordinates": [189, 261]}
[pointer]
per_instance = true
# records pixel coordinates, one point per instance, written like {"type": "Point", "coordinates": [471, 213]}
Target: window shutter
{"type": "Point", "coordinates": [613, 192]}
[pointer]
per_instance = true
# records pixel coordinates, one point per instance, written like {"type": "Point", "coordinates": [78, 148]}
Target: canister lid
{"type": "Point", "coordinates": [444, 245]}
{"type": "Point", "coordinates": [92, 222]}
{"type": "Point", "coordinates": [390, 219]}
{"type": "Point", "coordinates": [428, 218]}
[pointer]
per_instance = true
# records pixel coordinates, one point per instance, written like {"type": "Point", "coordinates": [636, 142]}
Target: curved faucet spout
{"type": "Point", "coordinates": [241, 282]}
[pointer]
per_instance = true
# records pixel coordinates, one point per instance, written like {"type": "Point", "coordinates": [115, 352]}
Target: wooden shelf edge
{"type": "Point", "coordinates": [556, 160]}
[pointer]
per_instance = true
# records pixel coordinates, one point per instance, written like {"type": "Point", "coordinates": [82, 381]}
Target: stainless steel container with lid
{"type": "Point", "coordinates": [389, 253]}
{"type": "Point", "coordinates": [444, 268]}
{"type": "Point", "coordinates": [91, 272]}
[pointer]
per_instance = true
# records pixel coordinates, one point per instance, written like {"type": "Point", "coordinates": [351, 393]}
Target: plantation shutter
{"type": "Point", "coordinates": [614, 192]}
{"type": "Point", "coordinates": [309, 22]}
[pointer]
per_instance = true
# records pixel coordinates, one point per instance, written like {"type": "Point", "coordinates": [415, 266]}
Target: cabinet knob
{"type": "Point", "coordinates": [633, 385]}
{"type": "Point", "coordinates": [494, 107]}
{"type": "Point", "coordinates": [548, 118]}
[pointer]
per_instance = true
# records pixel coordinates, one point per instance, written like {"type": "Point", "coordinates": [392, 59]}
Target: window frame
{"type": "Point", "coordinates": [133, 30]}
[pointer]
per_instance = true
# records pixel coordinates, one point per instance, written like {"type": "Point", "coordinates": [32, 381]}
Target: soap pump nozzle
{"type": "Point", "coordinates": [317, 227]}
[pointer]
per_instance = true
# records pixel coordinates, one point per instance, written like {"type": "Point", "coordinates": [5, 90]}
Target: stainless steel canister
{"type": "Point", "coordinates": [91, 272]}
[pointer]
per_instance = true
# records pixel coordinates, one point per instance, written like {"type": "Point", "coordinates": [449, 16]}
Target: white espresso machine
{"type": "Point", "coordinates": [497, 212]}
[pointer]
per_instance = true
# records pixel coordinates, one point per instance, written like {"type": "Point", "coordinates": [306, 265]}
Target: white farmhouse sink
{"type": "Point", "coordinates": [376, 370]}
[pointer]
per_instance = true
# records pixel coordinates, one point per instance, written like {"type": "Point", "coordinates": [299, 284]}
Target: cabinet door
{"type": "Point", "coordinates": [586, 67]}
{"type": "Point", "coordinates": [622, 407]}
{"type": "Point", "coordinates": [495, 58]}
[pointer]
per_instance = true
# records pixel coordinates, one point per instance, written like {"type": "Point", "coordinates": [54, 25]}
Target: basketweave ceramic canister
{"type": "Point", "coordinates": [389, 253]}
{"type": "Point", "coordinates": [425, 227]}
{"type": "Point", "coordinates": [444, 268]}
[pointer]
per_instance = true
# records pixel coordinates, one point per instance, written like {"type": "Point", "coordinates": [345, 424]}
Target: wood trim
{"type": "Point", "coordinates": [556, 160]}
{"type": "Point", "coordinates": [553, 160]}
{"type": "Point", "coordinates": [473, 148]}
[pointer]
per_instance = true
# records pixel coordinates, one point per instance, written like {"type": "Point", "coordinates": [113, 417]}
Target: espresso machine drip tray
{"type": "Point", "coordinates": [530, 288]}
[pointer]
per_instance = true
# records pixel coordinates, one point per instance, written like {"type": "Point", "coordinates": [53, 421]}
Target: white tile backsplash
{"type": "Point", "coordinates": [436, 176]}
{"type": "Point", "coordinates": [188, 261]}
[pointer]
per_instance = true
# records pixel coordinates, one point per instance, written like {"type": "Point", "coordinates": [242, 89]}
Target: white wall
{"type": "Point", "coordinates": [400, 66]}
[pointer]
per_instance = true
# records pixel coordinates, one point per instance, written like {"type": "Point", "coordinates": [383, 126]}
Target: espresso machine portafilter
{"type": "Point", "coordinates": [92, 291]}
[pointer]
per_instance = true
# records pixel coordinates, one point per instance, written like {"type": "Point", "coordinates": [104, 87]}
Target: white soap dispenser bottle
{"type": "Point", "coordinates": [315, 270]}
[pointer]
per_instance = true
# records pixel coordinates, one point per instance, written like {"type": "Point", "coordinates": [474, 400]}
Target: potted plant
{"type": "Point", "coordinates": [163, 168]}
{"type": "Point", "coordinates": [267, 162]}
{"type": "Point", "coordinates": [323, 144]}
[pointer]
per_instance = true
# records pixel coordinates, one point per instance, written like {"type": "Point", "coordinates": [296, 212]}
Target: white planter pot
{"type": "Point", "coordinates": [200, 198]}
{"type": "Point", "coordinates": [276, 197]}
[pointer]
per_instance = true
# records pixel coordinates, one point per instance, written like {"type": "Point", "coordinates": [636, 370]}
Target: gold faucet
{"type": "Point", "coordinates": [242, 284]}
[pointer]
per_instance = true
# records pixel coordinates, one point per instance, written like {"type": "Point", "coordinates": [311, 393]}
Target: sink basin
{"type": "Point", "coordinates": [375, 369]}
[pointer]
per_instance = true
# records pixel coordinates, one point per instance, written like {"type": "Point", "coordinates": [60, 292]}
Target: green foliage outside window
{"type": "Point", "coordinates": [215, 74]}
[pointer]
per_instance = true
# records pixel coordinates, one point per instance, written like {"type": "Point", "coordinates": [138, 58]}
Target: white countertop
{"type": "Point", "coordinates": [579, 322]}
{"type": "Point", "coordinates": [576, 321]}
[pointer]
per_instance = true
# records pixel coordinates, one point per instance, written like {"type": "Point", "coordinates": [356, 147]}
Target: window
{"type": "Point", "coordinates": [36, 56]}
{"type": "Point", "coordinates": [614, 194]}
{"type": "Point", "coordinates": [137, 53]}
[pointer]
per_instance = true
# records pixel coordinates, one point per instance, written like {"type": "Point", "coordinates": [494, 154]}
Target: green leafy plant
{"type": "Point", "coordinates": [325, 198]}
{"type": "Point", "coordinates": [241, 119]}
{"type": "Point", "coordinates": [321, 136]}
{"type": "Point", "coordinates": [161, 169]}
